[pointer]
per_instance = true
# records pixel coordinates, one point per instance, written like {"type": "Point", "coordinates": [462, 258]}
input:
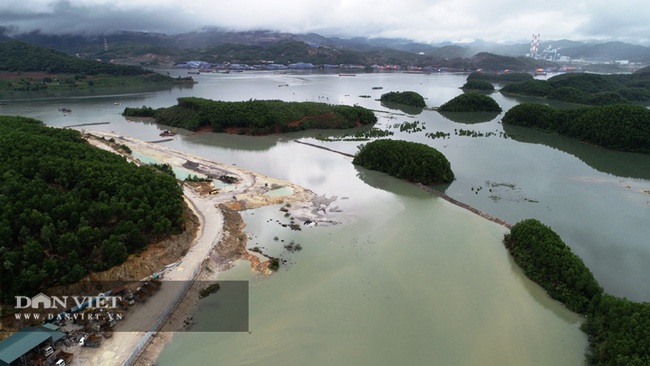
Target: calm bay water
{"type": "Point", "coordinates": [407, 278]}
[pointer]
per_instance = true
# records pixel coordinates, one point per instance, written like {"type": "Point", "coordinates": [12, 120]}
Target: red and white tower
{"type": "Point", "coordinates": [534, 45]}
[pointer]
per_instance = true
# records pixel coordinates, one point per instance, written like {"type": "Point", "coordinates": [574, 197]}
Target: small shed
{"type": "Point", "coordinates": [24, 341]}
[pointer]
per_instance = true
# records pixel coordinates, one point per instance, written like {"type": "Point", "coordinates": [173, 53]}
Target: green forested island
{"type": "Point", "coordinates": [256, 117]}
{"type": "Point", "coordinates": [618, 127]}
{"type": "Point", "coordinates": [407, 98]}
{"type": "Point", "coordinates": [470, 102]}
{"type": "Point", "coordinates": [617, 328]}
{"type": "Point", "coordinates": [27, 67]}
{"type": "Point", "coordinates": [545, 259]}
{"type": "Point", "coordinates": [479, 85]}
{"type": "Point", "coordinates": [407, 160]}
{"type": "Point", "coordinates": [533, 88]}
{"type": "Point", "coordinates": [67, 208]}
{"type": "Point", "coordinates": [589, 89]}
{"type": "Point", "coordinates": [618, 332]}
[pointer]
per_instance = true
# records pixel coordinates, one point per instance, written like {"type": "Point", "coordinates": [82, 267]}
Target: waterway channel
{"type": "Point", "coordinates": [406, 278]}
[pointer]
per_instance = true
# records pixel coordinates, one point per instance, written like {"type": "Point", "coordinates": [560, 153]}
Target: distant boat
{"type": "Point", "coordinates": [193, 72]}
{"type": "Point", "coordinates": [168, 133]}
{"type": "Point", "coordinates": [377, 87]}
{"type": "Point", "coordinates": [347, 74]}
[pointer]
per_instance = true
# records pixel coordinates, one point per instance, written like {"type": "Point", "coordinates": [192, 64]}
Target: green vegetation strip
{"type": "Point", "coordinates": [358, 136]}
{"type": "Point", "coordinates": [506, 77]}
{"type": "Point", "coordinates": [67, 208]}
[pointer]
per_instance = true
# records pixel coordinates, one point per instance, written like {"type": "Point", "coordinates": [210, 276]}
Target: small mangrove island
{"type": "Point", "coordinates": [411, 161]}
{"type": "Point", "coordinates": [617, 328]}
{"type": "Point", "coordinates": [255, 117]}
{"type": "Point", "coordinates": [470, 102]}
{"type": "Point", "coordinates": [407, 98]}
{"type": "Point", "coordinates": [618, 127]}
{"type": "Point", "coordinates": [478, 85]}
{"type": "Point", "coordinates": [547, 260]}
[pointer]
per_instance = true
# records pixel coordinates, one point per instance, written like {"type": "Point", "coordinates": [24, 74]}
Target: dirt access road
{"type": "Point", "coordinates": [249, 192]}
{"type": "Point", "coordinates": [117, 349]}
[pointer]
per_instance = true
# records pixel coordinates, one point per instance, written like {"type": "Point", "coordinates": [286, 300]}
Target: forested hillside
{"type": "Point", "coordinates": [256, 116]}
{"type": "Point", "coordinates": [133, 43]}
{"type": "Point", "coordinates": [157, 50]}
{"type": "Point", "coordinates": [25, 67]}
{"type": "Point", "coordinates": [20, 56]}
{"type": "Point", "coordinates": [67, 208]}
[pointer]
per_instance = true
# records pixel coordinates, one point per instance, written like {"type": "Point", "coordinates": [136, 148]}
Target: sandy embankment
{"type": "Point", "coordinates": [219, 242]}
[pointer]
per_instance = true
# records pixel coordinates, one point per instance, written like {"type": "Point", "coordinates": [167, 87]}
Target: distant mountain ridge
{"type": "Point", "coordinates": [606, 51]}
{"type": "Point", "coordinates": [223, 47]}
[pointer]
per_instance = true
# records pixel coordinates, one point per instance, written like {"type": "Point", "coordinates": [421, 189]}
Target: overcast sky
{"type": "Point", "coordinates": [419, 20]}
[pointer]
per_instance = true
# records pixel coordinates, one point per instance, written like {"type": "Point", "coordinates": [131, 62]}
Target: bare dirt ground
{"type": "Point", "coordinates": [219, 242]}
